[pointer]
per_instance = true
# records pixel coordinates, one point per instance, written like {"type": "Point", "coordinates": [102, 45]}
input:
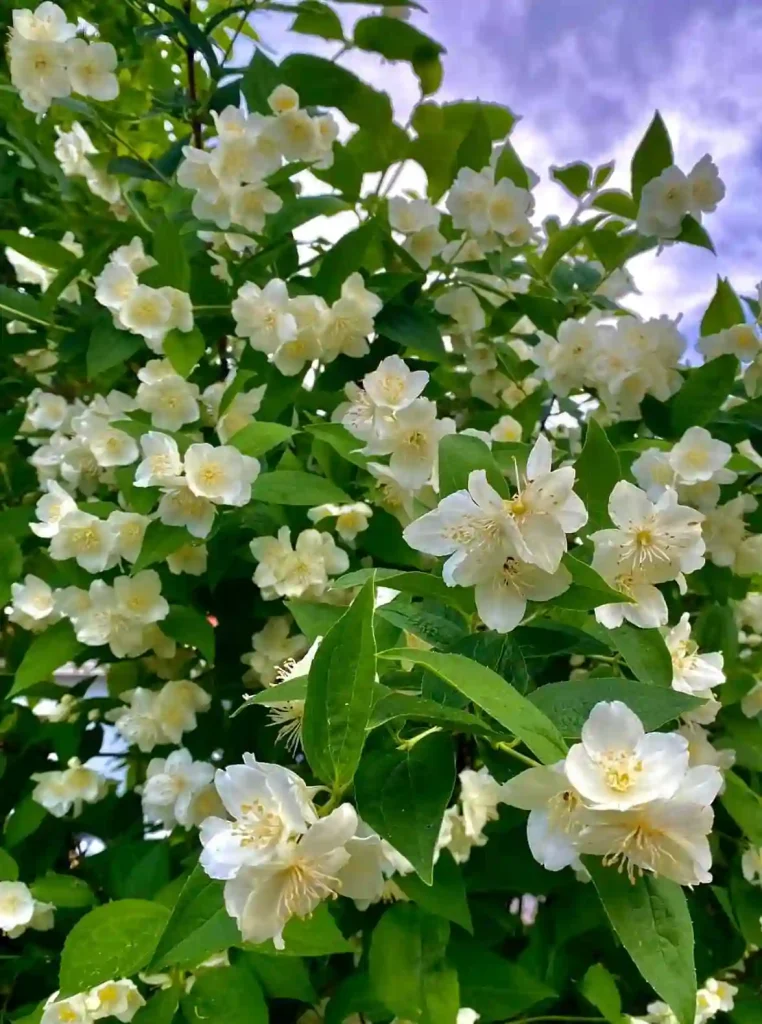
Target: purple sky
{"type": "Point", "coordinates": [586, 76]}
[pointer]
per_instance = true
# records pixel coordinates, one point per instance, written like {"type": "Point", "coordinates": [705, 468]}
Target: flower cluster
{"type": "Point", "coordinates": [715, 996]}
{"type": "Point", "coordinates": [628, 796]}
{"type": "Point", "coordinates": [120, 999]}
{"type": "Point", "coordinates": [49, 62]}
{"type": "Point", "coordinates": [621, 362]}
{"type": "Point", "coordinates": [229, 180]}
{"type": "Point", "coordinates": [491, 212]}
{"type": "Point", "coordinates": [150, 312]}
{"type": "Point", "coordinates": [179, 791]}
{"type": "Point", "coordinates": [60, 792]}
{"type": "Point", "coordinates": [298, 331]}
{"type": "Point", "coordinates": [667, 198]}
{"type": "Point", "coordinates": [301, 570]}
{"type": "Point", "coordinates": [508, 548]}
{"type": "Point", "coordinates": [72, 150]}
{"type": "Point", "coordinates": [155, 717]}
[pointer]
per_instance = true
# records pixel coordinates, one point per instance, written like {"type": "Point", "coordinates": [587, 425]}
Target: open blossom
{"type": "Point", "coordinates": [692, 672]}
{"type": "Point", "coordinates": [154, 717]}
{"type": "Point", "coordinates": [19, 910]}
{"type": "Point", "coordinates": [350, 320]}
{"type": "Point", "coordinates": [263, 897]}
{"type": "Point", "coordinates": [412, 440]}
{"type": "Point", "coordinates": [179, 506]}
{"type": "Point", "coordinates": [618, 765]}
{"type": "Point", "coordinates": [272, 647]}
{"type": "Point", "coordinates": [170, 787]}
{"type": "Point", "coordinates": [645, 606]}
{"type": "Point", "coordinates": [463, 307]}
{"type": "Point", "coordinates": [263, 315]}
{"type": "Point", "coordinates": [751, 865]}
{"type": "Point", "coordinates": [221, 475]}
{"type": "Point", "coordinates": [556, 814]}
{"type": "Point", "coordinates": [698, 456]}
{"type": "Point", "coordinates": [286, 571]}
{"type": "Point", "coordinates": [171, 400]}
{"type": "Point", "coordinates": [62, 791]}
{"type": "Point", "coordinates": [85, 538]}
{"type": "Point", "coordinates": [351, 520]}
{"type": "Point", "coordinates": [162, 464]}
{"type": "Point", "coordinates": [32, 603]}
{"type": "Point", "coordinates": [120, 999]}
{"type": "Point", "coordinates": [268, 805]}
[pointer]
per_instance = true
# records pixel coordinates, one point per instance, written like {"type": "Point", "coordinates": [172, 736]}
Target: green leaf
{"type": "Point", "coordinates": [417, 330]}
{"type": "Point", "coordinates": [227, 995]}
{"type": "Point", "coordinates": [589, 590]}
{"type": "Point", "coordinates": [561, 242]}
{"type": "Point", "coordinates": [495, 696]}
{"type": "Point", "coordinates": [260, 78]}
{"type": "Point", "coordinates": [190, 627]}
{"type": "Point", "coordinates": [509, 165]}
{"type": "Point", "coordinates": [110, 347]}
{"type": "Point", "coordinates": [25, 819]}
{"type": "Point", "coordinates": [744, 806]}
{"type": "Point", "coordinates": [47, 652]}
{"type": "Point", "coordinates": [746, 902]}
{"type": "Point", "coordinates": [476, 148]}
{"type": "Point", "coordinates": [184, 349]}
{"type": "Point", "coordinates": [339, 438]}
{"type": "Point", "coordinates": [321, 83]}
{"type": "Point", "coordinates": [316, 935]}
{"type": "Point", "coordinates": [725, 309]}
{"type": "Point", "coordinates": [459, 455]}
{"type": "Point", "coordinates": [496, 988]}
{"type": "Point", "coordinates": [343, 259]}
{"type": "Point", "coordinates": [63, 891]}
{"type": "Point", "coordinates": [317, 19]}
{"type": "Point", "coordinates": [703, 393]}
{"type": "Point", "coordinates": [599, 988]}
{"type": "Point", "coordinates": [134, 168]}
{"type": "Point", "coordinates": [598, 471]}
{"type": "Point", "coordinates": [617, 202]}
{"type": "Point", "coordinates": [434, 627]}
{"type": "Point", "coordinates": [11, 566]}
{"type": "Point", "coordinates": [294, 487]}
{"type": "Point", "coordinates": [446, 896]}
{"type": "Point", "coordinates": [9, 869]}
{"type": "Point", "coordinates": [644, 651]}
{"type": "Point", "coordinates": [302, 210]}
{"type": "Point", "coordinates": [694, 233]}
{"type": "Point", "coordinates": [340, 693]}
{"type": "Point", "coordinates": [399, 40]}
{"type": "Point", "coordinates": [40, 250]}
{"type": "Point", "coordinates": [282, 977]}
{"type": "Point", "coordinates": [409, 969]}
{"type": "Point", "coordinates": [403, 794]}
{"type": "Point", "coordinates": [650, 916]}
{"type": "Point", "coordinates": [574, 177]}
{"type": "Point", "coordinates": [113, 941]}
{"type": "Point", "coordinates": [653, 155]}
{"type": "Point", "coordinates": [19, 306]}
{"type": "Point", "coordinates": [257, 438]}
{"type": "Point", "coordinates": [161, 541]}
{"type": "Point", "coordinates": [199, 925]}
{"type": "Point", "coordinates": [160, 1008]}
{"type": "Point", "coordinates": [314, 619]}
{"type": "Point", "coordinates": [568, 704]}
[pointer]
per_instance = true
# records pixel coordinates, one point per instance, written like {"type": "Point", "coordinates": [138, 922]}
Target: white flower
{"type": "Point", "coordinates": [646, 606]}
{"type": "Point", "coordinates": [139, 597]}
{"type": "Point", "coordinates": [62, 791]}
{"type": "Point", "coordinates": [284, 571]}
{"type": "Point", "coordinates": [222, 475]}
{"type": "Point", "coordinates": [502, 588]}
{"type": "Point", "coordinates": [177, 704]}
{"type": "Point", "coordinates": [391, 494]}
{"type": "Point", "coordinates": [701, 751]}
{"type": "Point", "coordinates": [751, 865]}
{"type": "Point", "coordinates": [72, 149]}
{"type": "Point", "coordinates": [190, 559]}
{"type": "Point", "coordinates": [664, 202]}
{"type": "Point", "coordinates": [412, 439]}
{"type": "Point", "coordinates": [665, 836]}
{"type": "Point", "coordinates": [663, 537]}
{"type": "Point", "coordinates": [33, 605]}
{"type": "Point", "coordinates": [506, 431]}
{"type": "Point", "coordinates": [263, 315]}
{"type": "Point", "coordinates": [47, 22]}
{"type": "Point", "coordinates": [479, 796]}
{"type": "Point", "coordinates": [162, 464]}
{"type": "Point", "coordinates": [272, 646]}
{"type": "Point", "coordinates": [45, 411]}
{"type": "Point", "coordinates": [115, 285]}
{"type": "Point", "coordinates": [133, 256]}
{"type": "Point", "coordinates": [42, 919]}
{"type": "Point", "coordinates": [282, 99]}
{"type": "Point", "coordinates": [170, 787]}
{"type": "Point", "coordinates": [39, 71]}
{"type": "Point", "coordinates": [740, 340]}
{"type": "Point", "coordinates": [751, 702]}
{"type": "Point", "coordinates": [654, 472]}
{"type": "Point", "coordinates": [469, 198]}
{"type": "Point", "coordinates": [392, 386]}
{"type": "Point", "coordinates": [120, 999]}
{"type": "Point", "coordinates": [91, 69]}
{"type": "Point", "coordinates": [66, 1011]}
{"type": "Point", "coordinates": [179, 506]}
{"type": "Point", "coordinates": [87, 539]}
{"type": "Point", "coordinates": [349, 321]}
{"type": "Point", "coordinates": [508, 210]}
{"type": "Point", "coordinates": [692, 672]}
{"type": "Point", "coordinates": [453, 837]}
{"type": "Point", "coordinates": [251, 204]}
{"type": "Point", "coordinates": [618, 765]}
{"type": "Point", "coordinates": [16, 906]}
{"type": "Point", "coordinates": [148, 312]}
{"type": "Point", "coordinates": [264, 898]}
{"type": "Point", "coordinates": [239, 413]}
{"type": "Point", "coordinates": [555, 814]}
{"type": "Point", "coordinates": [697, 456]}
{"type": "Point", "coordinates": [725, 533]}
{"type": "Point", "coordinates": [171, 400]}
{"type": "Point", "coordinates": [268, 804]}
{"type": "Point", "coordinates": [412, 215]}
{"type": "Point", "coordinates": [372, 862]}
{"type": "Point", "coordinates": [350, 519]}
{"type": "Point", "coordinates": [310, 313]}
{"type": "Point", "coordinates": [707, 189]}
{"type": "Point", "coordinates": [462, 305]}
{"type": "Point", "coordinates": [110, 446]}
{"type": "Point", "coordinates": [129, 529]}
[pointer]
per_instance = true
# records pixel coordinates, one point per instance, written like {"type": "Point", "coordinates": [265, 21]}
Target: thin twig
{"type": "Point", "coordinates": [190, 55]}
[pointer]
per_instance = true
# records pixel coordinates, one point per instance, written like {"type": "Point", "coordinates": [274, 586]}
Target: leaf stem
{"type": "Point", "coordinates": [409, 744]}
{"type": "Point", "coordinates": [507, 748]}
